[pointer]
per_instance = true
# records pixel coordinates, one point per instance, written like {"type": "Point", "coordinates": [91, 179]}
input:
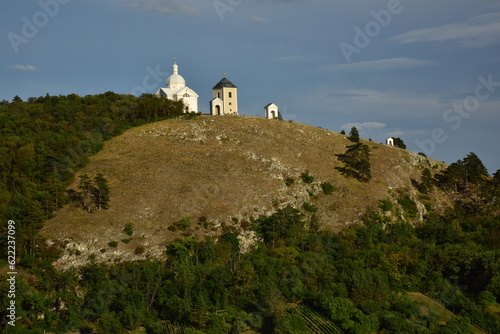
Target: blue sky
{"type": "Point", "coordinates": [425, 71]}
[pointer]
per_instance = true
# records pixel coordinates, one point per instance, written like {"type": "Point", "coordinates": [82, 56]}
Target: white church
{"type": "Point", "coordinates": [177, 90]}
{"type": "Point", "coordinates": [225, 96]}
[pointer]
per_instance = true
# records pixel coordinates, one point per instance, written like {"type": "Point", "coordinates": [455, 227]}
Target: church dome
{"type": "Point", "coordinates": [175, 81]}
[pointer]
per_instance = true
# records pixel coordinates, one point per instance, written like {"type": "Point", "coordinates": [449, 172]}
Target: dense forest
{"type": "Point", "coordinates": [296, 279]}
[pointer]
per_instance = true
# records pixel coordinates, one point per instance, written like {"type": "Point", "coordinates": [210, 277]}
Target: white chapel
{"type": "Point", "coordinates": [177, 90]}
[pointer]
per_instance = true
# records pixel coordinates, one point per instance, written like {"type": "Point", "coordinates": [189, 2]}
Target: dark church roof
{"type": "Point", "coordinates": [224, 82]}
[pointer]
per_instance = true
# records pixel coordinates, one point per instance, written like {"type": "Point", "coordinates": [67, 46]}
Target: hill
{"type": "Point", "coordinates": [220, 173]}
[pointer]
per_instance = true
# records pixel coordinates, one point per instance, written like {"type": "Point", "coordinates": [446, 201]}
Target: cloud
{"type": "Point", "coordinates": [477, 32]}
{"type": "Point", "coordinates": [258, 19]}
{"type": "Point", "coordinates": [23, 67]}
{"type": "Point", "coordinates": [395, 133]}
{"type": "Point", "coordinates": [364, 126]}
{"type": "Point", "coordinates": [381, 65]}
{"type": "Point", "coordinates": [164, 7]}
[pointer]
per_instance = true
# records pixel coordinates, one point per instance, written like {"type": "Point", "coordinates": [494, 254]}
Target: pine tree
{"type": "Point", "coordinates": [101, 192]}
{"type": "Point", "coordinates": [398, 142]}
{"type": "Point", "coordinates": [87, 192]}
{"type": "Point", "coordinates": [427, 181]}
{"type": "Point", "coordinates": [475, 171]}
{"type": "Point", "coordinates": [496, 178]}
{"type": "Point", "coordinates": [354, 135]}
{"type": "Point", "coordinates": [356, 162]}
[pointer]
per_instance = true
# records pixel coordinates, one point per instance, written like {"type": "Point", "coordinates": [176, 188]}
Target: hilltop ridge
{"type": "Point", "coordinates": [221, 173]}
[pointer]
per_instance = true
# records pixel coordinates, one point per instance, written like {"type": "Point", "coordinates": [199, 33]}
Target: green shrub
{"type": "Point", "coordinates": [409, 206]}
{"type": "Point", "coordinates": [184, 223]}
{"type": "Point", "coordinates": [309, 207]}
{"type": "Point", "coordinates": [289, 181]}
{"type": "Point", "coordinates": [386, 205]}
{"type": "Point", "coordinates": [129, 229]}
{"type": "Point", "coordinates": [172, 228]}
{"type": "Point", "coordinates": [327, 187]}
{"type": "Point", "coordinates": [113, 244]}
{"type": "Point", "coordinates": [126, 241]}
{"type": "Point", "coordinates": [306, 177]}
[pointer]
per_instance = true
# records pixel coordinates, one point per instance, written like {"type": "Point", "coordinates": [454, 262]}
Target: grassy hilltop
{"type": "Point", "coordinates": [214, 173]}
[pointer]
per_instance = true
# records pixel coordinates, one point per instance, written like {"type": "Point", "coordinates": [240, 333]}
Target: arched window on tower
{"type": "Point", "coordinates": [186, 95]}
{"type": "Point", "coordinates": [230, 94]}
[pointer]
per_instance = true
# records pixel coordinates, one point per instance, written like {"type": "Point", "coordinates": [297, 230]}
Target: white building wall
{"type": "Point", "coordinates": [271, 111]}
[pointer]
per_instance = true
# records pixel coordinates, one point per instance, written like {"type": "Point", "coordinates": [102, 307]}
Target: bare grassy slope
{"type": "Point", "coordinates": [220, 168]}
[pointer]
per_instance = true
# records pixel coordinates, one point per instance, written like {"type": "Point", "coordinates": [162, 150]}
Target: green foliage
{"type": "Point", "coordinates": [113, 244]}
{"type": "Point", "coordinates": [398, 142]}
{"type": "Point", "coordinates": [184, 223]}
{"type": "Point", "coordinates": [327, 188]}
{"type": "Point", "coordinates": [354, 135]}
{"type": "Point", "coordinates": [291, 324]}
{"type": "Point", "coordinates": [309, 207]}
{"type": "Point", "coordinates": [386, 205]}
{"type": "Point", "coordinates": [110, 324]}
{"type": "Point", "coordinates": [356, 162]}
{"type": "Point", "coordinates": [426, 184]}
{"type": "Point", "coordinates": [93, 194]}
{"type": "Point", "coordinates": [181, 224]}
{"type": "Point", "coordinates": [306, 177]}
{"type": "Point", "coordinates": [408, 205]}
{"type": "Point", "coordinates": [129, 229]}
{"type": "Point", "coordinates": [286, 225]}
{"type": "Point", "coordinates": [289, 181]}
{"type": "Point", "coordinates": [460, 174]}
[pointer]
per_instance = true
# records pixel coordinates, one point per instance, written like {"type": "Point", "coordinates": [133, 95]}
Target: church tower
{"type": "Point", "coordinates": [225, 98]}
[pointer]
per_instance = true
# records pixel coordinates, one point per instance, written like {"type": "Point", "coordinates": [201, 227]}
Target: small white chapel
{"type": "Point", "coordinates": [177, 90]}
